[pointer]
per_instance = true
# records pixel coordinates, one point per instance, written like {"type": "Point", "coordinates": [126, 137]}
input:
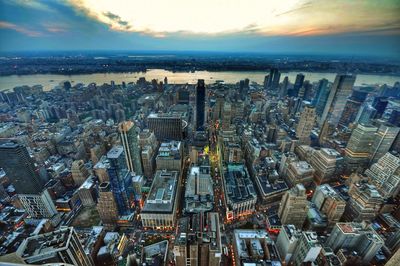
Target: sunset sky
{"type": "Point", "coordinates": [348, 27]}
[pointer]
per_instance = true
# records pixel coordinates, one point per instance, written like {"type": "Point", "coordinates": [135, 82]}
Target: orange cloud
{"type": "Point", "coordinates": [20, 29]}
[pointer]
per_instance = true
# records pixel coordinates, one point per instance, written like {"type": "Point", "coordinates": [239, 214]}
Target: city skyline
{"type": "Point", "coordinates": [289, 27]}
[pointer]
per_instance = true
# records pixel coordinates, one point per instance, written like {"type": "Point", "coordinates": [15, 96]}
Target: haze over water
{"type": "Point", "coordinates": [49, 81]}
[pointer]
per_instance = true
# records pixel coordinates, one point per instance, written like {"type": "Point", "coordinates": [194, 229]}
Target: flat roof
{"type": "Point", "coordinates": [161, 198]}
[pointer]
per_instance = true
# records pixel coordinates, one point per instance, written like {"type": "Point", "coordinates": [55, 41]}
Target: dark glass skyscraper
{"type": "Point", "coordinates": [200, 104]}
{"type": "Point", "coordinates": [20, 168]}
{"type": "Point", "coordinates": [273, 78]}
{"type": "Point", "coordinates": [297, 85]}
{"type": "Point", "coordinates": [120, 179]}
{"type": "Point", "coordinates": [321, 96]}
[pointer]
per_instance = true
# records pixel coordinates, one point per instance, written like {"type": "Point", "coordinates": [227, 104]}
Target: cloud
{"type": "Point", "coordinates": [20, 29]}
{"type": "Point", "coordinates": [210, 17]}
{"type": "Point", "coordinates": [33, 4]}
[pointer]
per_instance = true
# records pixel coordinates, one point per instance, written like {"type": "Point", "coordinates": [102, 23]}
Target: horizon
{"type": "Point", "coordinates": [293, 27]}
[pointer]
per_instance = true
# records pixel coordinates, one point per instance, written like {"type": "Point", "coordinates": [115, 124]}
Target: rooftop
{"type": "Point", "coordinates": [162, 193]}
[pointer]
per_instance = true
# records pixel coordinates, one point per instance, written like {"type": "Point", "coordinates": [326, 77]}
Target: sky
{"type": "Point", "coordinates": [342, 27]}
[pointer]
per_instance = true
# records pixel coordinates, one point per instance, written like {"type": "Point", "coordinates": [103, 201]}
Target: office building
{"type": "Point", "coordinates": [358, 148]}
{"type": "Point", "coordinates": [300, 172]}
{"type": "Point", "coordinates": [159, 210]}
{"type": "Point", "coordinates": [287, 241]}
{"type": "Point", "coordinates": [79, 172]}
{"type": "Point", "coordinates": [254, 246]}
{"type": "Point", "coordinates": [128, 133]}
{"type": "Point", "coordinates": [384, 139]}
{"type": "Point", "coordinates": [240, 195]}
{"type": "Point", "coordinates": [87, 192]}
{"type": "Point", "coordinates": [107, 206]}
{"type": "Point", "coordinates": [327, 163]}
{"type": "Point", "coordinates": [294, 206]}
{"type": "Point", "coordinates": [20, 168]}
{"type": "Point", "coordinates": [321, 96]}
{"type": "Point", "coordinates": [200, 105]}
{"type": "Point", "coordinates": [38, 205]}
{"type": "Point", "coordinates": [355, 237]}
{"type": "Point", "coordinates": [120, 179]}
{"type": "Point", "coordinates": [307, 250]}
{"type": "Point", "coordinates": [294, 92]}
{"type": "Point", "coordinates": [305, 125]}
{"type": "Point", "coordinates": [352, 107]}
{"type": "Point", "coordinates": [61, 246]}
{"type": "Point", "coordinates": [170, 156]}
{"type": "Point", "coordinates": [341, 89]}
{"type": "Point", "coordinates": [329, 202]}
{"type": "Point", "coordinates": [364, 204]}
{"type": "Point", "coordinates": [199, 193]}
{"type": "Point", "coordinates": [169, 126]}
{"type": "Point", "coordinates": [380, 103]}
{"type": "Point", "coordinates": [394, 118]}
{"type": "Point", "coordinates": [385, 175]}
{"type": "Point", "coordinates": [365, 114]}
{"type": "Point", "coordinates": [273, 79]}
{"type": "Point", "coordinates": [198, 240]}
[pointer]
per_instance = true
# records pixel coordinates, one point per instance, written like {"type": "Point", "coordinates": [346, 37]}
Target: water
{"type": "Point", "coordinates": [49, 81]}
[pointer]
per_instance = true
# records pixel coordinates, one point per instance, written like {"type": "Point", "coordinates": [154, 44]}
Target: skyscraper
{"type": "Point", "coordinates": [294, 206]}
{"type": "Point", "coordinates": [79, 172]}
{"type": "Point", "coordinates": [106, 206]}
{"type": "Point", "coordinates": [327, 200]}
{"type": "Point", "coordinates": [385, 175]}
{"type": "Point", "coordinates": [383, 141]}
{"type": "Point", "coordinates": [355, 237]}
{"type": "Point", "coordinates": [307, 250]}
{"type": "Point", "coordinates": [321, 96]}
{"type": "Point", "coordinates": [61, 246]}
{"type": "Point", "coordinates": [273, 78]}
{"type": "Point", "coordinates": [306, 124]}
{"type": "Point", "coordinates": [200, 105]}
{"type": "Point", "coordinates": [340, 90]}
{"type": "Point", "coordinates": [358, 148]}
{"type": "Point", "coordinates": [129, 140]}
{"type": "Point", "coordinates": [20, 168]}
{"type": "Point", "coordinates": [297, 85]}
{"type": "Point", "coordinates": [352, 107]}
{"type": "Point", "coordinates": [120, 179]}
{"type": "Point", "coordinates": [380, 104]}
{"type": "Point", "coordinates": [365, 114]}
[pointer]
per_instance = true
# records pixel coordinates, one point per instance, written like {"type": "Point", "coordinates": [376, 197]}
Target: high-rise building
{"type": "Point", "coordinates": [321, 96]}
{"type": "Point", "coordinates": [384, 139]}
{"type": "Point", "coordinates": [169, 126]}
{"type": "Point", "coordinates": [294, 206]}
{"type": "Point", "coordinates": [20, 168]}
{"type": "Point", "coordinates": [286, 242]}
{"type": "Point", "coordinates": [284, 87]}
{"type": "Point", "coordinates": [307, 250]}
{"type": "Point", "coordinates": [273, 78]}
{"type": "Point", "coordinates": [306, 124]}
{"type": "Point", "coordinates": [380, 104]}
{"type": "Point", "coordinates": [79, 172]}
{"type": "Point", "coordinates": [297, 85]}
{"type": "Point", "coordinates": [326, 162]}
{"type": "Point", "coordinates": [394, 118]}
{"type": "Point", "coordinates": [352, 107]}
{"type": "Point", "coordinates": [128, 133]}
{"type": "Point", "coordinates": [38, 205]}
{"type": "Point", "coordinates": [365, 114]}
{"type": "Point", "coordinates": [159, 210]}
{"type": "Point", "coordinates": [170, 156]}
{"type": "Point", "coordinates": [364, 204]}
{"type": "Point", "coordinates": [333, 110]}
{"type": "Point", "coordinates": [61, 246]}
{"type": "Point", "coordinates": [358, 148]}
{"type": "Point", "coordinates": [385, 175]}
{"type": "Point", "coordinates": [328, 201]}
{"type": "Point", "coordinates": [355, 237]}
{"type": "Point", "coordinates": [200, 105]}
{"type": "Point", "coordinates": [106, 205]}
{"type": "Point", "coordinates": [120, 180]}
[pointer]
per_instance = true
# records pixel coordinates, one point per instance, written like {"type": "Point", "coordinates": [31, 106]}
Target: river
{"type": "Point", "coordinates": [49, 80]}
